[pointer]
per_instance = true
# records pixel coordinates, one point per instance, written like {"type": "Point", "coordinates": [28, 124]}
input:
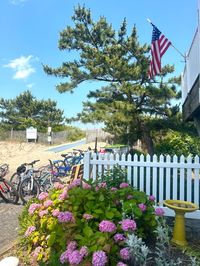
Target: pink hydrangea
{"type": "Point", "coordinates": [142, 207]}
{"type": "Point", "coordinates": [103, 185]}
{"type": "Point", "coordinates": [124, 185]}
{"type": "Point", "coordinates": [86, 186]}
{"type": "Point", "coordinates": [119, 237]}
{"type": "Point", "coordinates": [159, 212]}
{"type": "Point", "coordinates": [87, 216]}
{"type": "Point", "coordinates": [58, 185]}
{"type": "Point", "coordinates": [124, 254]}
{"type": "Point", "coordinates": [129, 197]}
{"type": "Point", "coordinates": [33, 207]}
{"type": "Point", "coordinates": [29, 230]}
{"type": "Point", "coordinates": [64, 217]}
{"type": "Point", "coordinates": [113, 189]}
{"type": "Point", "coordinates": [55, 212]}
{"type": "Point", "coordinates": [96, 188]}
{"type": "Point", "coordinates": [36, 252]}
{"type": "Point", "coordinates": [152, 198]}
{"type": "Point", "coordinates": [107, 226]}
{"type": "Point", "coordinates": [72, 245]}
{"type": "Point", "coordinates": [75, 257]}
{"type": "Point", "coordinates": [128, 225]}
{"type": "Point", "coordinates": [63, 195]}
{"type": "Point", "coordinates": [99, 258]}
{"type": "Point", "coordinates": [42, 213]}
{"type": "Point", "coordinates": [75, 183]}
{"type": "Point", "coordinates": [84, 251]}
{"type": "Point", "coordinates": [43, 196]}
{"type": "Point", "coordinates": [48, 203]}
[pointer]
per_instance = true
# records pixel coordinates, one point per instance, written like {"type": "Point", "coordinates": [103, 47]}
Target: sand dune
{"type": "Point", "coordinates": [15, 153]}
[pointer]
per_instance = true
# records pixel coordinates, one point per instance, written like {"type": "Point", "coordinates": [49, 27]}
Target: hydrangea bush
{"type": "Point", "coordinates": [86, 224]}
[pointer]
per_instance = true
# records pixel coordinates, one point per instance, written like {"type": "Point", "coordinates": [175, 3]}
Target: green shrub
{"type": "Point", "coordinates": [176, 143]}
{"type": "Point", "coordinates": [89, 213]}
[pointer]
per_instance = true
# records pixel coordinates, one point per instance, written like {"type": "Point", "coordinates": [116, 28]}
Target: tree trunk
{"type": "Point", "coordinates": [147, 140]}
{"type": "Point", "coordinates": [197, 124]}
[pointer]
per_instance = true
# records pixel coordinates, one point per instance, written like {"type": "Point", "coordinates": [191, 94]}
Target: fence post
{"type": "Point", "coordinates": [86, 160]}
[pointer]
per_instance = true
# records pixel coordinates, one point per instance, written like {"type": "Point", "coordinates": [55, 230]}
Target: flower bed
{"type": "Point", "coordinates": [86, 224]}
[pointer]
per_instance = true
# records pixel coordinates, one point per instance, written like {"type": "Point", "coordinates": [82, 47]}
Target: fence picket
{"type": "Point", "coordinates": [135, 171]}
{"type": "Point", "coordinates": [168, 179]}
{"type": "Point", "coordinates": [129, 170]}
{"type": "Point", "coordinates": [111, 160]}
{"type": "Point", "coordinates": [161, 181]}
{"type": "Point", "coordinates": [189, 180]}
{"type": "Point", "coordinates": [142, 173]}
{"type": "Point", "coordinates": [182, 178]}
{"type": "Point", "coordinates": [94, 169]}
{"type": "Point", "coordinates": [155, 177]}
{"type": "Point", "coordinates": [175, 179]}
{"type": "Point", "coordinates": [100, 166]}
{"type": "Point", "coordinates": [148, 177]}
{"type": "Point", "coordinates": [196, 182]}
{"type": "Point", "coordinates": [123, 158]}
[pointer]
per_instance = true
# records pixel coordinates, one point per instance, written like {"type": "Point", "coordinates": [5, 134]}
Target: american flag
{"type": "Point", "coordinates": [159, 46]}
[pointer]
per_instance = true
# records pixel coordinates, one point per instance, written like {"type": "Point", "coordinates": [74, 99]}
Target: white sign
{"type": "Point", "coordinates": [49, 130]}
{"type": "Point", "coordinates": [31, 133]}
{"type": "Point", "coordinates": [49, 138]}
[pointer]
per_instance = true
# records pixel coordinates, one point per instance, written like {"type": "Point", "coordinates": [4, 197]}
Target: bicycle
{"type": "Point", "coordinates": [7, 190]}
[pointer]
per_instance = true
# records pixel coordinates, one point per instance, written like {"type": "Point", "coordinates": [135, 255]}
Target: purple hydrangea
{"type": "Point", "coordinates": [42, 213]}
{"type": "Point", "coordinates": [84, 251]}
{"type": "Point", "coordinates": [87, 216]}
{"type": "Point", "coordinates": [99, 258]}
{"type": "Point", "coordinates": [75, 257]}
{"type": "Point", "coordinates": [36, 252]}
{"type": "Point", "coordinates": [64, 217]}
{"type": "Point", "coordinates": [43, 196]}
{"type": "Point", "coordinates": [129, 197]}
{"type": "Point", "coordinates": [33, 207]}
{"type": "Point", "coordinates": [75, 183]}
{"type": "Point", "coordinates": [124, 185]}
{"type": "Point", "coordinates": [152, 198]}
{"type": "Point", "coordinates": [124, 254]}
{"type": "Point", "coordinates": [72, 245]}
{"type": "Point", "coordinates": [29, 230]}
{"type": "Point", "coordinates": [103, 185]}
{"type": "Point", "coordinates": [48, 203]}
{"type": "Point", "coordinates": [119, 237]}
{"type": "Point", "coordinates": [142, 207]}
{"type": "Point", "coordinates": [107, 226]}
{"type": "Point", "coordinates": [64, 257]}
{"type": "Point", "coordinates": [55, 212]}
{"type": "Point", "coordinates": [128, 225]}
{"type": "Point", "coordinates": [159, 212]}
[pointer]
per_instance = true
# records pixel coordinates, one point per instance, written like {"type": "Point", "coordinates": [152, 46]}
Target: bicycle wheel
{"type": "Point", "coordinates": [8, 192]}
{"type": "Point", "coordinates": [28, 189]}
{"type": "Point", "coordinates": [15, 180]}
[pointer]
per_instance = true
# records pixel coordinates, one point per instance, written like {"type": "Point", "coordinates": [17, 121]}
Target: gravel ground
{"type": "Point", "coordinates": [9, 224]}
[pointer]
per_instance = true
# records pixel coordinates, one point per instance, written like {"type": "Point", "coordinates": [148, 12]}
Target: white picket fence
{"type": "Point", "coordinates": [164, 177]}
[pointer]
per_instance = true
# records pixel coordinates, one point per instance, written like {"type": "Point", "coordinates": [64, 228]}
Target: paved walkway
{"type": "Point", "coordinates": [67, 146]}
{"type": "Point", "coordinates": [9, 224]}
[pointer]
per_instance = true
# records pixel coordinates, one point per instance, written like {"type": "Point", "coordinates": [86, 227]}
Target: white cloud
{"type": "Point", "coordinates": [22, 66]}
{"type": "Point", "coordinates": [17, 2]}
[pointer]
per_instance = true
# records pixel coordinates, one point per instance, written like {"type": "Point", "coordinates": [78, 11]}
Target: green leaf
{"type": "Point", "coordinates": [87, 231]}
{"type": "Point", "coordinates": [51, 239]}
{"type": "Point", "coordinates": [109, 215]}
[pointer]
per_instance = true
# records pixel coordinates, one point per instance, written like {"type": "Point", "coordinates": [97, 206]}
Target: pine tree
{"type": "Point", "coordinates": [128, 103]}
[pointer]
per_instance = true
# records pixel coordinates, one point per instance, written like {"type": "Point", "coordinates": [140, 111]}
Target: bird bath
{"type": "Point", "coordinates": [180, 207]}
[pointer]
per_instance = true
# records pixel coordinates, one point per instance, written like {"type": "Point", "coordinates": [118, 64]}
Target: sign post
{"type": "Point", "coordinates": [49, 137]}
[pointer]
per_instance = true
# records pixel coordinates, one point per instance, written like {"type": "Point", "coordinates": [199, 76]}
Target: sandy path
{"type": "Point", "coordinates": [17, 153]}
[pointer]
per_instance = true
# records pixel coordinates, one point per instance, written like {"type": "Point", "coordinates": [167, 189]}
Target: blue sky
{"type": "Point", "coordinates": [30, 31]}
